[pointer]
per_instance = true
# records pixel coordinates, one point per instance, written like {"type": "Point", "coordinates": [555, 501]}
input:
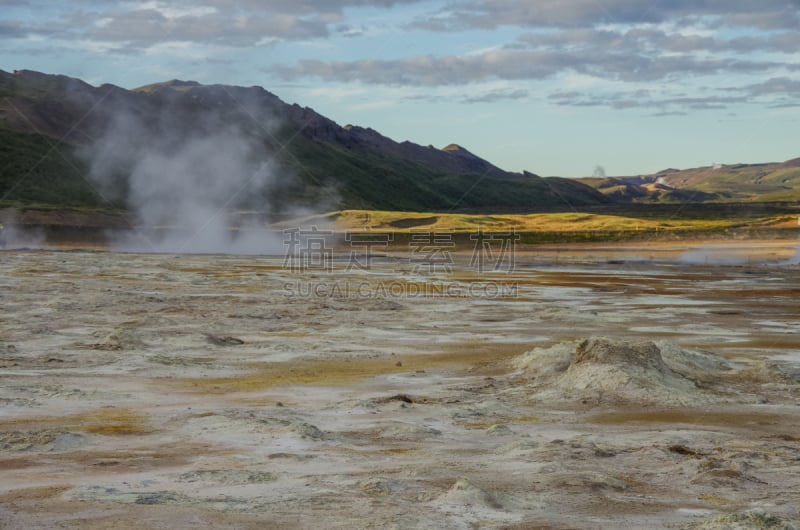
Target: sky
{"type": "Point", "coordinates": [555, 87]}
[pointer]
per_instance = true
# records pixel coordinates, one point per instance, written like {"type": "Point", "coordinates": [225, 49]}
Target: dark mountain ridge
{"type": "Point", "coordinates": [46, 121]}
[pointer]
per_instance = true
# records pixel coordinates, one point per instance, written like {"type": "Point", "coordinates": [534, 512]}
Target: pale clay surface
{"type": "Point", "coordinates": [158, 391]}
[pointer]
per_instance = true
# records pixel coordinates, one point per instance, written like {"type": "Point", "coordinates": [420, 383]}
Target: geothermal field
{"type": "Point", "coordinates": [589, 387]}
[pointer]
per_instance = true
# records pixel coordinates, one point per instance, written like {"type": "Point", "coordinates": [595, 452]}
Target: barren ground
{"type": "Point", "coordinates": [159, 391]}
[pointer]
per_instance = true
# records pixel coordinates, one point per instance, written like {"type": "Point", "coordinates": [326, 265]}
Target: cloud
{"type": "Point", "coordinates": [617, 41]}
{"type": "Point", "coordinates": [664, 114]}
{"type": "Point", "coordinates": [470, 96]}
{"type": "Point", "coordinates": [301, 6]}
{"type": "Point", "coordinates": [149, 26]}
{"type": "Point", "coordinates": [11, 29]}
{"type": "Point", "coordinates": [777, 92]}
{"type": "Point", "coordinates": [780, 92]}
{"type": "Point", "coordinates": [507, 64]}
{"type": "Point", "coordinates": [490, 14]}
{"type": "Point", "coordinates": [627, 44]}
{"type": "Point", "coordinates": [657, 41]}
{"type": "Point", "coordinates": [224, 22]}
{"type": "Point", "coordinates": [776, 85]}
{"type": "Point", "coordinates": [497, 95]}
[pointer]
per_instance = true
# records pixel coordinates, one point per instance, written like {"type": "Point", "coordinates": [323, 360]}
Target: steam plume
{"type": "Point", "coordinates": [14, 236]}
{"type": "Point", "coordinates": [795, 260]}
{"type": "Point", "coordinates": [181, 177]}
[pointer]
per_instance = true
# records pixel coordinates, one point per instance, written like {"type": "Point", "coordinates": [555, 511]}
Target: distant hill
{"type": "Point", "coordinates": [774, 182]}
{"type": "Point", "coordinates": [48, 121]}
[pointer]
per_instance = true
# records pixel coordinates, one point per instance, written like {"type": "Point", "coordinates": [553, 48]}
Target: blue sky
{"type": "Point", "coordinates": [556, 87]}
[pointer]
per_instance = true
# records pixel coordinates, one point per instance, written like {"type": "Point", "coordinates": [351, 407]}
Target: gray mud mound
{"type": "Point", "coordinates": [465, 493]}
{"type": "Point", "coordinates": [599, 370]}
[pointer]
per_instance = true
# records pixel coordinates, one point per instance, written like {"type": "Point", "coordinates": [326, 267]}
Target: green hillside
{"type": "Point", "coordinates": [778, 182]}
{"type": "Point", "coordinates": [42, 170]}
{"type": "Point", "coordinates": [46, 120]}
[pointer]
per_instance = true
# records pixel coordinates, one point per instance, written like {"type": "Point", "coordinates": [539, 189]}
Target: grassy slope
{"type": "Point", "coordinates": [311, 172]}
{"type": "Point", "coordinates": [37, 172]}
{"type": "Point", "coordinates": [756, 183]}
{"type": "Point", "coordinates": [394, 221]}
{"type": "Point", "coordinates": [36, 169]}
{"type": "Point", "coordinates": [765, 184]}
{"type": "Point", "coordinates": [367, 181]}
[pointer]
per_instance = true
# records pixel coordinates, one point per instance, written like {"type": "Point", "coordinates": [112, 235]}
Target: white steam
{"type": "Point", "coordinates": [17, 237]}
{"type": "Point", "coordinates": [742, 254]}
{"type": "Point", "coordinates": [182, 178]}
{"type": "Point", "coordinates": [713, 256]}
{"type": "Point", "coordinates": [795, 260]}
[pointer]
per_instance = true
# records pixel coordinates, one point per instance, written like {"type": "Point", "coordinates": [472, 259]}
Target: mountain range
{"type": "Point", "coordinates": [52, 128]}
{"type": "Point", "coordinates": [775, 182]}
{"type": "Point", "coordinates": [48, 121]}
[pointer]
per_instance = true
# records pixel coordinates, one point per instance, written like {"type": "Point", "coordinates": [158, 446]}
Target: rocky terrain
{"type": "Point", "coordinates": [159, 391]}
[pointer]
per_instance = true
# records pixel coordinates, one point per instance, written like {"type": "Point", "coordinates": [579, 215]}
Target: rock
{"type": "Point", "coordinates": [725, 473]}
{"type": "Point", "coordinates": [691, 363]}
{"type": "Point", "coordinates": [604, 351]}
{"type": "Point", "coordinates": [750, 520]}
{"type": "Point", "coordinates": [289, 456]}
{"type": "Point", "coordinates": [307, 431]}
{"type": "Point", "coordinates": [408, 431]}
{"type": "Point", "coordinates": [223, 341]}
{"type": "Point", "coordinates": [588, 481]}
{"type": "Point", "coordinates": [681, 449]}
{"type": "Point", "coordinates": [168, 360]}
{"type": "Point", "coordinates": [228, 477]}
{"type": "Point", "coordinates": [68, 441]}
{"type": "Point", "coordinates": [380, 487]}
{"type": "Point", "coordinates": [465, 493]}
{"type": "Point", "coordinates": [773, 373]}
{"type": "Point", "coordinates": [386, 305]}
{"type": "Point", "coordinates": [403, 398]}
{"type": "Point", "coordinates": [543, 362]}
{"type": "Point", "coordinates": [156, 498]}
{"type": "Point", "coordinates": [45, 440]}
{"type": "Point", "coordinates": [518, 446]}
{"type": "Point", "coordinates": [120, 339]}
{"type": "Point", "coordinates": [603, 452]}
{"type": "Point", "coordinates": [499, 430]}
